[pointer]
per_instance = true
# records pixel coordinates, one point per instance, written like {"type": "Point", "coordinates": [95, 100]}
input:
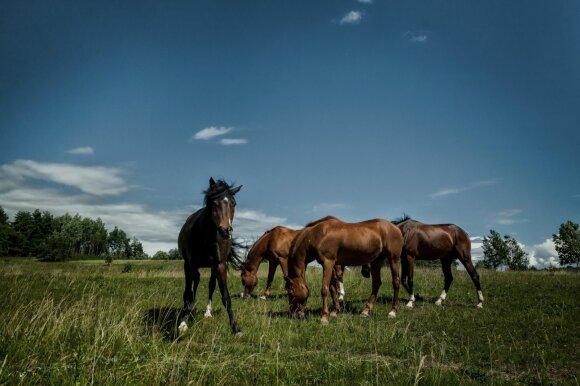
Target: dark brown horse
{"type": "Point", "coordinates": [445, 242]}
{"type": "Point", "coordinates": [205, 241]}
{"type": "Point", "coordinates": [274, 246]}
{"type": "Point", "coordinates": [335, 242]}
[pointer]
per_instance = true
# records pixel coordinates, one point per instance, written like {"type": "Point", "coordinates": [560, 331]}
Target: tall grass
{"type": "Point", "coordinates": [89, 323]}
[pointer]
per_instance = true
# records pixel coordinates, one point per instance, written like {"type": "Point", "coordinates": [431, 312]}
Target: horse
{"type": "Point", "coordinates": [445, 242]}
{"type": "Point", "coordinates": [274, 246]}
{"type": "Point", "coordinates": [205, 241]}
{"type": "Point", "coordinates": [334, 242]}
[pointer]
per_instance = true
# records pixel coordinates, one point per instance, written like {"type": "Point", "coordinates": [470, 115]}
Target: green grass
{"type": "Point", "coordinates": [85, 322]}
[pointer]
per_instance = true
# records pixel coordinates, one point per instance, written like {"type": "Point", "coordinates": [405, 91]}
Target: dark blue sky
{"type": "Point", "coordinates": [451, 111]}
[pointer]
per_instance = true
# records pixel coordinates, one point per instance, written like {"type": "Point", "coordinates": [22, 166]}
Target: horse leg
{"type": "Point", "coordinates": [191, 277]}
{"type": "Point", "coordinates": [466, 261]}
{"type": "Point", "coordinates": [208, 309]}
{"type": "Point", "coordinates": [446, 266]}
{"type": "Point", "coordinates": [339, 273]}
{"type": "Point", "coordinates": [221, 272]}
{"type": "Point", "coordinates": [334, 292]}
{"type": "Point", "coordinates": [327, 274]}
{"type": "Point", "coordinates": [376, 284]}
{"type": "Point", "coordinates": [271, 271]}
{"type": "Point", "coordinates": [410, 263]}
{"type": "Point", "coordinates": [394, 264]}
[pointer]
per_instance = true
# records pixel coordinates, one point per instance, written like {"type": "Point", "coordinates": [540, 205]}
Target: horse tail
{"type": "Point", "coordinates": [235, 258]}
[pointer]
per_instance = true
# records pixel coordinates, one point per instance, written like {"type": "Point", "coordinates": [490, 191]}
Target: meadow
{"type": "Point", "coordinates": [87, 322]}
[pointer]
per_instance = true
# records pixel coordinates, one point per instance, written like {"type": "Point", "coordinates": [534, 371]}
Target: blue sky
{"type": "Point", "coordinates": [450, 111]}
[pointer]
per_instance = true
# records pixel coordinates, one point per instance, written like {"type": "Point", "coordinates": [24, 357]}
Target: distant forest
{"type": "Point", "coordinates": [57, 238]}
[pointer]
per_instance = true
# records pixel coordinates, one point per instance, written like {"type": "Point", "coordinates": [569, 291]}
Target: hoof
{"type": "Point", "coordinates": [392, 314]}
{"type": "Point", "coordinates": [364, 314]}
{"type": "Point", "coordinates": [341, 297]}
{"type": "Point", "coordinates": [333, 314]}
{"type": "Point", "coordinates": [409, 305]}
{"type": "Point", "coordinates": [479, 305]}
{"type": "Point", "coordinates": [207, 315]}
{"type": "Point", "coordinates": [324, 320]}
{"type": "Point", "coordinates": [263, 297]}
{"type": "Point", "coordinates": [439, 302]}
{"type": "Point", "coordinates": [239, 334]}
{"type": "Point", "coordinates": [182, 327]}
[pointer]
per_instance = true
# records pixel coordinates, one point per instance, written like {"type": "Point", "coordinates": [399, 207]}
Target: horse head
{"type": "Point", "coordinates": [249, 281]}
{"type": "Point", "coordinates": [221, 203]}
{"type": "Point", "coordinates": [298, 294]}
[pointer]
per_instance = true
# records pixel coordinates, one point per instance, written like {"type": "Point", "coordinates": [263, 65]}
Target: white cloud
{"type": "Point", "coordinates": [85, 150]}
{"type": "Point", "coordinates": [365, 1]}
{"type": "Point", "coordinates": [211, 132]}
{"type": "Point", "coordinates": [543, 255]}
{"type": "Point", "coordinates": [419, 38]}
{"type": "Point", "coordinates": [353, 17]}
{"type": "Point", "coordinates": [446, 192]}
{"type": "Point", "coordinates": [329, 207]}
{"type": "Point", "coordinates": [473, 185]}
{"type": "Point", "coordinates": [507, 217]}
{"type": "Point", "coordinates": [95, 180]}
{"type": "Point", "coordinates": [233, 141]}
{"type": "Point", "coordinates": [157, 230]}
{"type": "Point", "coordinates": [509, 212]}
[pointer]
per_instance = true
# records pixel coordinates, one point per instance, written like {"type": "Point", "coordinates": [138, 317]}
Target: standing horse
{"type": "Point", "coordinates": [205, 241]}
{"type": "Point", "coordinates": [431, 242]}
{"type": "Point", "coordinates": [274, 246]}
{"type": "Point", "coordinates": [336, 242]}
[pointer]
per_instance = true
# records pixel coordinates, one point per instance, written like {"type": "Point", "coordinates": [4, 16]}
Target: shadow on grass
{"type": "Point", "coordinates": [164, 320]}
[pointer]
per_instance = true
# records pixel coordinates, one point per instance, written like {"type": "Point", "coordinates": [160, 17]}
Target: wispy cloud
{"type": "Point", "coordinates": [211, 132]}
{"type": "Point", "coordinates": [365, 1]}
{"type": "Point", "coordinates": [353, 17]}
{"type": "Point", "coordinates": [233, 141]}
{"type": "Point", "coordinates": [328, 207]}
{"type": "Point", "coordinates": [449, 191]}
{"type": "Point", "coordinates": [95, 180]}
{"type": "Point", "coordinates": [85, 150]}
{"type": "Point", "coordinates": [418, 37]}
{"type": "Point", "coordinates": [508, 217]}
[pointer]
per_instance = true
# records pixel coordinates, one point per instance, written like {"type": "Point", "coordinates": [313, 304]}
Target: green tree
{"type": "Point", "coordinates": [173, 254]}
{"type": "Point", "coordinates": [503, 251]}
{"type": "Point", "coordinates": [118, 244]}
{"type": "Point", "coordinates": [3, 217]}
{"type": "Point", "coordinates": [161, 255]}
{"type": "Point", "coordinates": [567, 243]}
{"type": "Point", "coordinates": [136, 249]}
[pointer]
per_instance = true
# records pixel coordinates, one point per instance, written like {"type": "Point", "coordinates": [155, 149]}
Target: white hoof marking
{"type": "Point", "coordinates": [392, 314]}
{"type": "Point", "coordinates": [207, 314]}
{"type": "Point", "coordinates": [410, 304]}
{"type": "Point", "coordinates": [182, 327]}
{"type": "Point", "coordinates": [341, 297]}
{"type": "Point", "coordinates": [479, 305]}
{"type": "Point", "coordinates": [263, 297]}
{"type": "Point", "coordinates": [439, 302]}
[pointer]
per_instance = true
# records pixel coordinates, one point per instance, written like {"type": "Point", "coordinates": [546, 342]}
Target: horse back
{"type": "Point", "coordinates": [435, 241]}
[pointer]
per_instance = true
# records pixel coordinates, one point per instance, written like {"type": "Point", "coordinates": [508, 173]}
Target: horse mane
{"type": "Point", "coordinates": [399, 220]}
{"type": "Point", "coordinates": [312, 223]}
{"type": "Point", "coordinates": [218, 190]}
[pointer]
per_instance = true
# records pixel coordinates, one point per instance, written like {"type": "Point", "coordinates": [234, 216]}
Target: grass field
{"type": "Point", "coordinates": [85, 322]}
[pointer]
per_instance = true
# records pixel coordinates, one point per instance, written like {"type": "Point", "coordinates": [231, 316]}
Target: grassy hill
{"type": "Point", "coordinates": [85, 322]}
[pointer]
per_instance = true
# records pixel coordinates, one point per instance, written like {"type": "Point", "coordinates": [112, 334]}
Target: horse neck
{"type": "Point", "coordinates": [297, 257]}
{"type": "Point", "coordinates": [255, 256]}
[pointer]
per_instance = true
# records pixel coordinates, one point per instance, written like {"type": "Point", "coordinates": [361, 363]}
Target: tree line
{"type": "Point", "coordinates": [505, 252]}
{"type": "Point", "coordinates": [57, 238]}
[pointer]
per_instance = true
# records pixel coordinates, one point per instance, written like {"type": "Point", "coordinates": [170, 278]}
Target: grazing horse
{"type": "Point", "coordinates": [445, 242]}
{"type": "Point", "coordinates": [205, 241]}
{"type": "Point", "coordinates": [274, 246]}
{"type": "Point", "coordinates": [335, 242]}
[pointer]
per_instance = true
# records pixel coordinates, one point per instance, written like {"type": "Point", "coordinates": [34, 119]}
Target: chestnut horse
{"type": "Point", "coordinates": [205, 241]}
{"type": "Point", "coordinates": [274, 246]}
{"type": "Point", "coordinates": [335, 242]}
{"type": "Point", "coordinates": [445, 242]}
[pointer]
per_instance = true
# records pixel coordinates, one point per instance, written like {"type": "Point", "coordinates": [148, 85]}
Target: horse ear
{"type": "Point", "coordinates": [211, 182]}
{"type": "Point", "coordinates": [235, 190]}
